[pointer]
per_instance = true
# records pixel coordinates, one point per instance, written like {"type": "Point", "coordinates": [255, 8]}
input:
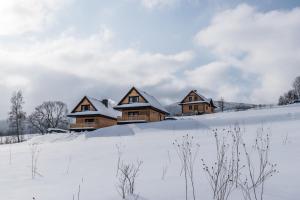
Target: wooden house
{"type": "Point", "coordinates": [195, 104]}
{"type": "Point", "coordinates": [91, 113]}
{"type": "Point", "coordinates": [138, 106]}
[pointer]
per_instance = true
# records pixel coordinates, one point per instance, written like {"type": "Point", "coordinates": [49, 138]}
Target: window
{"type": "Point", "coordinates": [85, 107]}
{"type": "Point", "coordinates": [133, 115]}
{"type": "Point", "coordinates": [190, 107]}
{"type": "Point", "coordinates": [195, 98]}
{"type": "Point", "coordinates": [190, 98]}
{"type": "Point", "coordinates": [130, 114]}
{"type": "Point", "coordinates": [133, 99]}
{"type": "Point", "coordinates": [196, 107]}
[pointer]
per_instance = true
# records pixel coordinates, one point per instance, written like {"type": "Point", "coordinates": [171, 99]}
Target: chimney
{"type": "Point", "coordinates": [105, 102]}
{"type": "Point", "coordinates": [195, 90]}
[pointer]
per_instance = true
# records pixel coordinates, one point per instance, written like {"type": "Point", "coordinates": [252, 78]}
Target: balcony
{"type": "Point", "coordinates": [86, 125]}
{"type": "Point", "coordinates": [133, 118]}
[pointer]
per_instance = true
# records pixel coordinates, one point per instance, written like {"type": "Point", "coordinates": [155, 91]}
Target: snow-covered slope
{"type": "Point", "coordinates": [89, 160]}
{"type": "Point", "coordinates": [175, 109]}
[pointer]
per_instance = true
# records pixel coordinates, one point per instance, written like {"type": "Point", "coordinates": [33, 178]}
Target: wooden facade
{"type": "Point", "coordinates": [85, 103]}
{"type": "Point", "coordinates": [135, 107]}
{"type": "Point", "coordinates": [88, 117]}
{"type": "Point", "coordinates": [92, 122]}
{"type": "Point", "coordinates": [195, 104]}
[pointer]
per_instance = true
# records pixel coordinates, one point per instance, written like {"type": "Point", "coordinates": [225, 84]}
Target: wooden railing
{"type": "Point", "coordinates": [133, 118]}
{"type": "Point", "coordinates": [84, 125]}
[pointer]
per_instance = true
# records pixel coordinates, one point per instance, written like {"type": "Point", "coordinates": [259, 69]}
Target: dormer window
{"type": "Point", "coordinates": [133, 99]}
{"type": "Point", "coordinates": [85, 107]}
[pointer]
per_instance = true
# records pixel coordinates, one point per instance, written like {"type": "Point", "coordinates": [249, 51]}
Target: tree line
{"type": "Point", "coordinates": [50, 114]}
{"type": "Point", "coordinates": [292, 95]}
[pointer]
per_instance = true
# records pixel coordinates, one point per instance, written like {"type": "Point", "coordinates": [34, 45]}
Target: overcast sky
{"type": "Point", "coordinates": [63, 49]}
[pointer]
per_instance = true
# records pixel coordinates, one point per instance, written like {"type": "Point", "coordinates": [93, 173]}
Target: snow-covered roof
{"type": "Point", "coordinates": [202, 97]}
{"type": "Point", "coordinates": [150, 101]}
{"type": "Point", "coordinates": [101, 109]}
{"type": "Point", "coordinates": [133, 105]}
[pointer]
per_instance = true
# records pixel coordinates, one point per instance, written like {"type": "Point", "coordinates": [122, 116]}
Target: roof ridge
{"type": "Point", "coordinates": [93, 98]}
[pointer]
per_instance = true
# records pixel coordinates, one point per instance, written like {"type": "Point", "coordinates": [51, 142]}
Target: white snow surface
{"type": "Point", "coordinates": [90, 159]}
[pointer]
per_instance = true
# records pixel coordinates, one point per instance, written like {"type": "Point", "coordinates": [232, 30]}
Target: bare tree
{"type": "Point", "coordinates": [282, 100]}
{"type": "Point", "coordinates": [291, 95]}
{"type": "Point", "coordinates": [187, 152]}
{"type": "Point", "coordinates": [296, 86]}
{"type": "Point", "coordinates": [51, 114]}
{"type": "Point", "coordinates": [253, 183]}
{"type": "Point", "coordinates": [17, 116]}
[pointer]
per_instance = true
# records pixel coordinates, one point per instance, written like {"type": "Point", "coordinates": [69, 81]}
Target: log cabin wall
{"type": "Point", "coordinates": [156, 116]}
{"type": "Point", "coordinates": [199, 107]}
{"type": "Point", "coordinates": [98, 122]}
{"type": "Point", "coordinates": [146, 114]}
{"type": "Point", "coordinates": [143, 114]}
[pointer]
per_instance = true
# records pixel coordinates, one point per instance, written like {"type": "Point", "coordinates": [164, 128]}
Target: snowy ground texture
{"type": "Point", "coordinates": [90, 160]}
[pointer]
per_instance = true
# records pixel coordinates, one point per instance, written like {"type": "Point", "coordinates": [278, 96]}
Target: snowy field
{"type": "Point", "coordinates": [67, 161]}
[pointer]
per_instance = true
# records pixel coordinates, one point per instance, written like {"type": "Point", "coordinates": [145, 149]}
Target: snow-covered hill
{"type": "Point", "coordinates": [88, 161]}
{"type": "Point", "coordinates": [175, 108]}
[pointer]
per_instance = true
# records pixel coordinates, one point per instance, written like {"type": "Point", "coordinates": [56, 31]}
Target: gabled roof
{"type": "Point", "coordinates": [204, 99]}
{"type": "Point", "coordinates": [100, 109]}
{"type": "Point", "coordinates": [151, 101]}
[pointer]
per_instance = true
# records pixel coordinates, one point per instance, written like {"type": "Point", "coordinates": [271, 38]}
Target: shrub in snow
{"type": "Point", "coordinates": [258, 167]}
{"type": "Point", "coordinates": [35, 151]}
{"type": "Point", "coordinates": [187, 152]}
{"type": "Point", "coordinates": [127, 174]}
{"type": "Point", "coordinates": [223, 174]}
{"type": "Point", "coordinates": [234, 169]}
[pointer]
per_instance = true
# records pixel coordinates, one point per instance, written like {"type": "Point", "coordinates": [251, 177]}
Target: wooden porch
{"type": "Point", "coordinates": [141, 118]}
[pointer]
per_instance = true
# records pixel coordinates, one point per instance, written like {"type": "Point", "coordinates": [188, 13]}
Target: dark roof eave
{"type": "Point", "coordinates": [92, 115]}
{"type": "Point", "coordinates": [186, 103]}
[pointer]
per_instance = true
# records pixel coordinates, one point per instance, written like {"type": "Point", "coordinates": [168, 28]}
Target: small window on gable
{"type": "Point", "coordinates": [195, 98]}
{"type": "Point", "coordinates": [190, 98]}
{"type": "Point", "coordinates": [85, 107]}
{"type": "Point", "coordinates": [133, 99]}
